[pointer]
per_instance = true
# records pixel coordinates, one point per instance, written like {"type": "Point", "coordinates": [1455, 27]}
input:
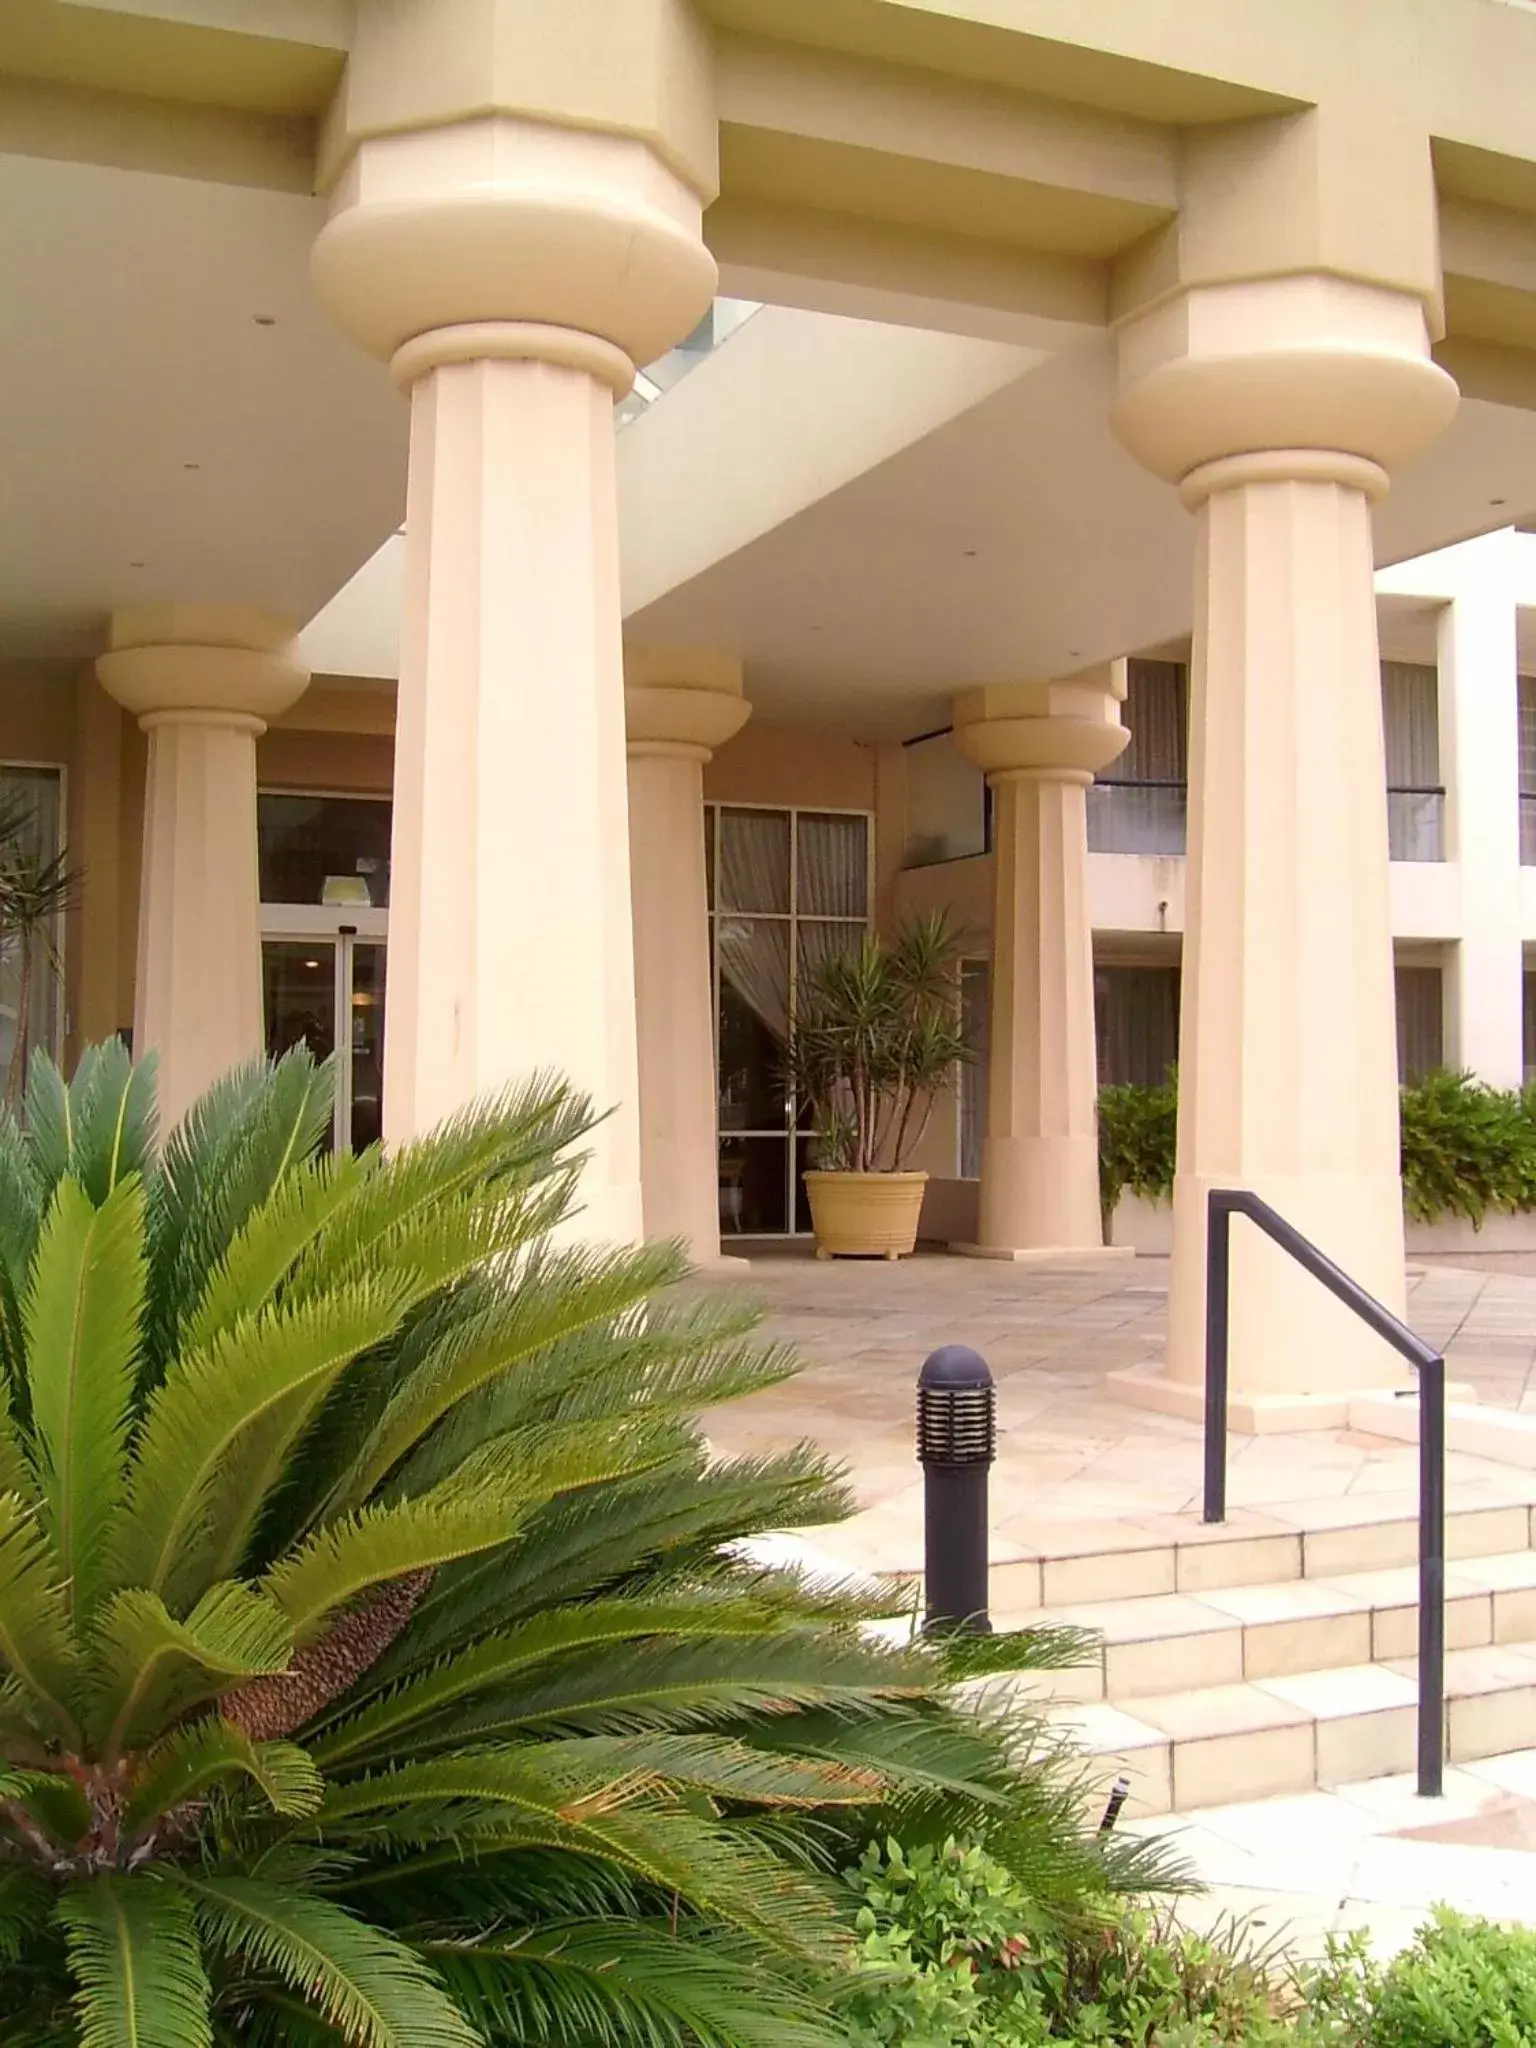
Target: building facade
{"type": "Point", "coordinates": [402, 433]}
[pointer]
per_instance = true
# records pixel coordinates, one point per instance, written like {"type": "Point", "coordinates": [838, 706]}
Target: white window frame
{"type": "Point", "coordinates": [713, 808]}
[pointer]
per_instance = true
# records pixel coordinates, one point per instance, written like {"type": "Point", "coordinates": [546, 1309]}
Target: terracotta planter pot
{"type": "Point", "coordinates": [865, 1215]}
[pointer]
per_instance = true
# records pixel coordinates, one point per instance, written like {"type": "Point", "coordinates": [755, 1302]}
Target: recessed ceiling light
{"type": "Point", "coordinates": [1498, 501]}
{"type": "Point", "coordinates": [191, 465]}
{"type": "Point", "coordinates": [970, 554]}
{"type": "Point", "coordinates": [265, 319]}
{"type": "Point", "coordinates": [311, 963]}
{"type": "Point", "coordinates": [135, 565]}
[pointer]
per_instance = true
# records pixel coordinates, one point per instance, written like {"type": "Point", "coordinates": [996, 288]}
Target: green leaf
{"type": "Point", "coordinates": [373, 1989]}
{"type": "Point", "coordinates": [35, 1639]}
{"type": "Point", "coordinates": [113, 1118]}
{"type": "Point", "coordinates": [195, 1758]}
{"type": "Point", "coordinates": [221, 1427]}
{"type": "Point", "coordinates": [153, 1669]}
{"type": "Point", "coordinates": [554, 1294]}
{"type": "Point", "coordinates": [138, 1968]}
{"type": "Point", "coordinates": [82, 1322]}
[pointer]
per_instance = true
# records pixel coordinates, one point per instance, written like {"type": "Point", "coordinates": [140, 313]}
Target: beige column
{"type": "Point", "coordinates": [1279, 406]}
{"type": "Point", "coordinates": [515, 224]}
{"type": "Point", "coordinates": [681, 704]}
{"type": "Point", "coordinates": [202, 681]}
{"type": "Point", "coordinates": [1041, 745]}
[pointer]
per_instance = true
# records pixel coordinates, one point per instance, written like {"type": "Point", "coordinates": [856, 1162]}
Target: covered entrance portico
{"type": "Point", "coordinates": [1186, 343]}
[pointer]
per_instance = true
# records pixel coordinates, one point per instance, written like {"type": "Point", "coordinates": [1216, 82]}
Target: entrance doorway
{"type": "Point", "coordinates": [322, 974]}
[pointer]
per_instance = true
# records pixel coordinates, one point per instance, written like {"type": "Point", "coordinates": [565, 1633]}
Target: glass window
{"type": "Point", "coordinates": [946, 798]}
{"type": "Point", "coordinates": [1140, 803]}
{"type": "Point", "coordinates": [1528, 771]}
{"type": "Point", "coordinates": [1136, 1024]}
{"type": "Point", "coordinates": [786, 890]}
{"type": "Point", "coordinates": [975, 1024]}
{"type": "Point", "coordinates": [323, 849]}
{"type": "Point", "coordinates": [35, 797]}
{"type": "Point", "coordinates": [1410, 710]}
{"type": "Point", "coordinates": [1420, 1022]}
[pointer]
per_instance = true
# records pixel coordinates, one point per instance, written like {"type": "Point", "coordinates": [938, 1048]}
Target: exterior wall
{"type": "Point", "coordinates": [774, 764]}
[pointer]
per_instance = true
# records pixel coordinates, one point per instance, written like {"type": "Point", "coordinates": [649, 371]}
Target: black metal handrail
{"type": "Point", "coordinates": [1138, 782]}
{"type": "Point", "coordinates": [1224, 1204]}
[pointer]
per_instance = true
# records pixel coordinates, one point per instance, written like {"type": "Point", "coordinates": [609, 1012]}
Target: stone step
{"type": "Point", "coordinates": [1172, 1642]}
{"type": "Point", "coordinates": [1051, 1565]}
{"type": "Point", "coordinates": [1216, 1745]}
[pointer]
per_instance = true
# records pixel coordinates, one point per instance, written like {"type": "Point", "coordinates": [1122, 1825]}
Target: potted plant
{"type": "Point", "coordinates": [875, 1037]}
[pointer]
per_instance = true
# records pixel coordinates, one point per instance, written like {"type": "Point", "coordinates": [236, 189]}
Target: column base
{"type": "Point", "coordinates": [1048, 1255]}
{"type": "Point", "coordinates": [1254, 1414]}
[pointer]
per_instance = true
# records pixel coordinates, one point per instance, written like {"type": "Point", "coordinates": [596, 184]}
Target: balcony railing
{"type": "Point", "coordinates": [1137, 817]}
{"type": "Point", "coordinates": [1528, 828]}
{"type": "Point", "coordinates": [1415, 822]}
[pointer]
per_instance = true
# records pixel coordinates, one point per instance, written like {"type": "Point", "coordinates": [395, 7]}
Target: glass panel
{"type": "Point", "coordinates": [1529, 1022]}
{"type": "Point", "coordinates": [1156, 713]}
{"type": "Point", "coordinates": [709, 855]}
{"type": "Point", "coordinates": [946, 803]}
{"type": "Point", "coordinates": [753, 1190]}
{"type": "Point", "coordinates": [803, 1158]}
{"type": "Point", "coordinates": [1420, 1022]}
{"type": "Point", "coordinates": [1136, 1024]}
{"type": "Point", "coordinates": [975, 1020]}
{"type": "Point", "coordinates": [367, 1044]}
{"type": "Point", "coordinates": [832, 866]}
{"type": "Point", "coordinates": [817, 942]}
{"type": "Point", "coordinates": [1129, 817]}
{"type": "Point", "coordinates": [754, 860]}
{"type": "Point", "coordinates": [1415, 824]}
{"type": "Point", "coordinates": [323, 849]}
{"type": "Point", "coordinates": [299, 991]}
{"type": "Point", "coordinates": [754, 1009]}
{"type": "Point", "coordinates": [32, 795]}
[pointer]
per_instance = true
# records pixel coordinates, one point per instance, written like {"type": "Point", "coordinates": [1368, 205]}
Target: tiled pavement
{"type": "Point", "coordinates": [1271, 1664]}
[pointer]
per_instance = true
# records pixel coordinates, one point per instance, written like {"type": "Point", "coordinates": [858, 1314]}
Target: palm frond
{"type": "Point", "coordinates": [36, 1642]}
{"type": "Point", "coordinates": [113, 1118]}
{"type": "Point", "coordinates": [370, 1987]}
{"type": "Point", "coordinates": [137, 1964]}
{"type": "Point", "coordinates": [151, 1668]}
{"type": "Point", "coordinates": [630, 1984]}
{"type": "Point", "coordinates": [553, 1294]}
{"type": "Point", "coordinates": [82, 1318]}
{"type": "Point", "coordinates": [221, 1426]}
{"type": "Point", "coordinates": [195, 1758]}
{"type": "Point", "coordinates": [264, 1250]}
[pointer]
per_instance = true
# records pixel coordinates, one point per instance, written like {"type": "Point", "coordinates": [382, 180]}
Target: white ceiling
{"type": "Point", "coordinates": [161, 444]}
{"type": "Point", "coordinates": [129, 352]}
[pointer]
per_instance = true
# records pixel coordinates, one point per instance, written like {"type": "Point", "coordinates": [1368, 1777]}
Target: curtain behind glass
{"type": "Point", "coordinates": [975, 1024]}
{"type": "Point", "coordinates": [1151, 819]}
{"type": "Point", "coordinates": [1136, 1024]}
{"type": "Point", "coordinates": [754, 875]}
{"type": "Point", "coordinates": [1410, 711]}
{"type": "Point", "coordinates": [36, 795]}
{"type": "Point", "coordinates": [1420, 1022]}
{"type": "Point", "coordinates": [1528, 771]}
{"type": "Point", "coordinates": [832, 860]}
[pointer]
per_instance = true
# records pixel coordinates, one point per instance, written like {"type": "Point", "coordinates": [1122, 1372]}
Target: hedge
{"type": "Point", "coordinates": [1467, 1149]}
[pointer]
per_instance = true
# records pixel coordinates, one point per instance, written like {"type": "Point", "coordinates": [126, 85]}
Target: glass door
{"type": "Point", "coordinates": [324, 988]}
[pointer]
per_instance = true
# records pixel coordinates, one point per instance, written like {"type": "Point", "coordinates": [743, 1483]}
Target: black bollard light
{"type": "Point", "coordinates": [956, 1444]}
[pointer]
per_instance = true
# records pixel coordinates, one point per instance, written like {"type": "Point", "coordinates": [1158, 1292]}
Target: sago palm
{"type": "Point", "coordinates": [384, 1663]}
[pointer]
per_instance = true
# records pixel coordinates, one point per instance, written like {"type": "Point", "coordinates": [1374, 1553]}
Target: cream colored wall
{"type": "Point", "coordinates": [776, 764]}
{"type": "Point", "coordinates": [364, 762]}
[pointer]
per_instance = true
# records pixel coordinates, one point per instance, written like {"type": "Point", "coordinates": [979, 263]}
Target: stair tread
{"type": "Point", "coordinates": [1357, 1689]}
{"type": "Point", "coordinates": [1158, 1616]}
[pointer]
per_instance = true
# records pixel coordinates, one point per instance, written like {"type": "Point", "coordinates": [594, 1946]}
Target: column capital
{"type": "Point", "coordinates": [1291, 368]}
{"type": "Point", "coordinates": [202, 663]}
{"type": "Point", "coordinates": [1058, 731]}
{"type": "Point", "coordinates": [681, 701]}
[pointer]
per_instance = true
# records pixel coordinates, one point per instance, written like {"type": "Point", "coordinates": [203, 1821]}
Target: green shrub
{"type": "Point", "coordinates": [955, 1953]}
{"type": "Point", "coordinates": [1463, 1983]}
{"type": "Point", "coordinates": [1467, 1149]}
{"type": "Point", "coordinates": [1137, 1129]}
{"type": "Point", "coordinates": [382, 1667]}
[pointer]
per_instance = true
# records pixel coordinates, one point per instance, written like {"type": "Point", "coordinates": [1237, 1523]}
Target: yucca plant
{"type": "Point", "coordinates": [383, 1664]}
